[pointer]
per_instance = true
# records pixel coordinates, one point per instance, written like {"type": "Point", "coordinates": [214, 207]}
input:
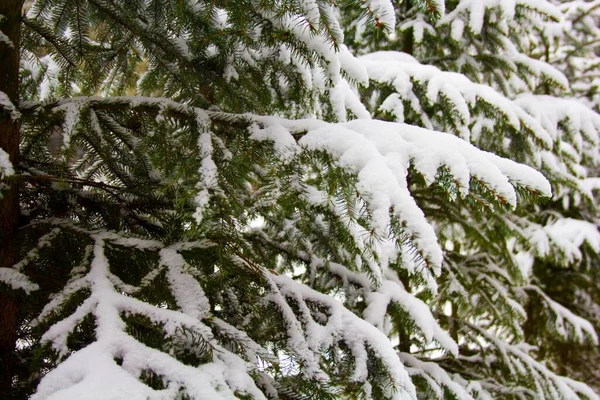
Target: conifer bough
{"type": "Point", "coordinates": [298, 199]}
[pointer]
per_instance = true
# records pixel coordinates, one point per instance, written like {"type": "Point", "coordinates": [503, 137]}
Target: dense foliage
{"type": "Point", "coordinates": [299, 199]}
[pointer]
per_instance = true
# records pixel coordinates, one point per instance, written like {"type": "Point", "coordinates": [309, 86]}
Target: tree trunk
{"type": "Point", "coordinates": [9, 204]}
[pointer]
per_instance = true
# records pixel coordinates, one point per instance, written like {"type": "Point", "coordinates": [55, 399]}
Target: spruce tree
{"type": "Point", "coordinates": [297, 199]}
{"type": "Point", "coordinates": [571, 44]}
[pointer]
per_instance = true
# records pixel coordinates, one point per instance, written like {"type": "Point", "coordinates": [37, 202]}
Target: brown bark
{"type": "Point", "coordinates": [9, 204]}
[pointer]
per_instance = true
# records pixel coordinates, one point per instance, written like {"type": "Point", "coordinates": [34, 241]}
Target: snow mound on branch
{"type": "Point", "coordinates": [566, 235]}
{"type": "Point", "coordinates": [400, 70]}
{"type": "Point", "coordinates": [93, 373]}
{"type": "Point", "coordinates": [476, 10]}
{"type": "Point", "coordinates": [380, 153]}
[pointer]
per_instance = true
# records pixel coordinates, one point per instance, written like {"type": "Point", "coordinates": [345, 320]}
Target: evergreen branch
{"type": "Point", "coordinates": [62, 47]}
{"type": "Point", "coordinates": [335, 268]}
{"type": "Point", "coordinates": [138, 27]}
{"type": "Point", "coordinates": [590, 43]}
{"type": "Point", "coordinates": [154, 104]}
{"type": "Point", "coordinates": [585, 14]}
{"type": "Point", "coordinates": [84, 182]}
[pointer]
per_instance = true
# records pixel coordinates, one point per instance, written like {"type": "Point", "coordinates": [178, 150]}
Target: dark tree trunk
{"type": "Point", "coordinates": [9, 204]}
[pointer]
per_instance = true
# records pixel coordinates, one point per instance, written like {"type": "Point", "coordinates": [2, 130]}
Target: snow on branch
{"type": "Point", "coordinates": [115, 361]}
{"type": "Point", "coordinates": [476, 10]}
{"type": "Point", "coordinates": [574, 129]}
{"type": "Point", "coordinates": [383, 12]}
{"type": "Point", "coordinates": [15, 277]}
{"type": "Point", "coordinates": [560, 239]}
{"type": "Point", "coordinates": [379, 153]}
{"type": "Point", "coordinates": [521, 366]}
{"type": "Point", "coordinates": [563, 316]}
{"type": "Point", "coordinates": [5, 40]}
{"type": "Point", "coordinates": [93, 373]}
{"type": "Point", "coordinates": [401, 71]}
{"type": "Point", "coordinates": [582, 122]}
{"type": "Point", "coordinates": [494, 32]}
{"type": "Point", "coordinates": [8, 106]}
{"type": "Point", "coordinates": [6, 167]}
{"type": "Point", "coordinates": [336, 55]}
{"type": "Point", "coordinates": [208, 169]}
{"type": "Point", "coordinates": [437, 379]}
{"type": "Point", "coordinates": [17, 280]}
{"type": "Point", "coordinates": [391, 291]}
{"type": "Point", "coordinates": [378, 296]}
{"type": "Point", "coordinates": [479, 284]}
{"type": "Point", "coordinates": [341, 324]}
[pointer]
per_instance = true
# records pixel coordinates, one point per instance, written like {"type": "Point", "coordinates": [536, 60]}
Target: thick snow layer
{"type": "Point", "coordinates": [381, 152]}
{"type": "Point", "coordinates": [383, 12]}
{"type": "Point", "coordinates": [476, 10]}
{"type": "Point", "coordinates": [400, 70]}
{"type": "Point", "coordinates": [343, 98]}
{"type": "Point", "coordinates": [93, 372]}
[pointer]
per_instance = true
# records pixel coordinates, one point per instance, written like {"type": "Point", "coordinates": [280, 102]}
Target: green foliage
{"type": "Point", "coordinates": [190, 229]}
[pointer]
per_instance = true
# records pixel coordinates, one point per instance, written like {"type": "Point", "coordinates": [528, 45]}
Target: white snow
{"type": "Point", "coordinates": [282, 141]}
{"type": "Point", "coordinates": [392, 291]}
{"type": "Point", "coordinates": [72, 114]}
{"type": "Point", "coordinates": [399, 70]}
{"type": "Point", "coordinates": [92, 371]}
{"type": "Point", "coordinates": [476, 10]}
{"type": "Point", "coordinates": [6, 167]}
{"type": "Point", "coordinates": [17, 280]}
{"type": "Point", "coordinates": [9, 106]}
{"type": "Point", "coordinates": [383, 12]}
{"type": "Point", "coordinates": [5, 40]}
{"type": "Point", "coordinates": [434, 375]}
{"type": "Point", "coordinates": [355, 332]}
{"type": "Point", "coordinates": [560, 238]}
{"type": "Point", "coordinates": [208, 171]}
{"type": "Point", "coordinates": [187, 291]}
{"type": "Point", "coordinates": [563, 315]}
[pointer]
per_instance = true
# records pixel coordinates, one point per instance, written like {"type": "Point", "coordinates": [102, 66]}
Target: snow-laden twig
{"type": "Point", "coordinates": [79, 374]}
